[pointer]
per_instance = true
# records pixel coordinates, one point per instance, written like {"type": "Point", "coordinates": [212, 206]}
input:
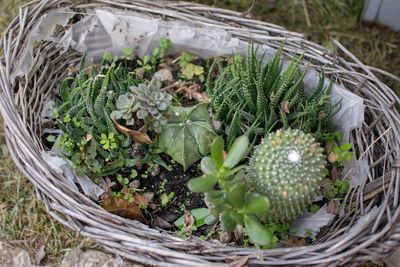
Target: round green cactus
{"type": "Point", "coordinates": [287, 167]}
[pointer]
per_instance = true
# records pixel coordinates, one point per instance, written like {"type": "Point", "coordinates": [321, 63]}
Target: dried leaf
{"type": "Point", "coordinates": [88, 137]}
{"type": "Point", "coordinates": [134, 184]}
{"type": "Point", "coordinates": [161, 223]}
{"type": "Point", "coordinates": [335, 173]}
{"type": "Point", "coordinates": [285, 106]}
{"type": "Point", "coordinates": [225, 237]}
{"type": "Point", "coordinates": [272, 96]}
{"type": "Point", "coordinates": [294, 242]}
{"type": "Point", "coordinates": [326, 183]}
{"type": "Point", "coordinates": [333, 157]}
{"type": "Point", "coordinates": [154, 207]}
{"type": "Point", "coordinates": [332, 207]}
{"type": "Point", "coordinates": [137, 136]}
{"type": "Point", "coordinates": [126, 191]}
{"type": "Point", "coordinates": [149, 196]}
{"type": "Point", "coordinates": [188, 221]}
{"type": "Point", "coordinates": [140, 199]}
{"type": "Point", "coordinates": [123, 208]}
{"type": "Point", "coordinates": [165, 66]}
{"type": "Point", "coordinates": [238, 261]}
{"type": "Point", "coordinates": [107, 188]}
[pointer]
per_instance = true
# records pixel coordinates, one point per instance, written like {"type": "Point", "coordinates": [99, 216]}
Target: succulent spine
{"type": "Point", "coordinates": [287, 167]}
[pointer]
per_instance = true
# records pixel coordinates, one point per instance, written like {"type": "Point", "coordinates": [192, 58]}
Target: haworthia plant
{"type": "Point", "coordinates": [84, 108]}
{"type": "Point", "coordinates": [255, 99]}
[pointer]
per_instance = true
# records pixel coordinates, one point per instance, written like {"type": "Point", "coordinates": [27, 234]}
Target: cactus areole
{"type": "Point", "coordinates": [287, 167]}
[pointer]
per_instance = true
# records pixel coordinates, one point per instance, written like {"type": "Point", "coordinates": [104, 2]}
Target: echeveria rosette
{"type": "Point", "coordinates": [187, 137]}
{"type": "Point", "coordinates": [287, 167]}
{"type": "Point", "coordinates": [153, 104]}
{"type": "Point", "coordinates": [126, 108]}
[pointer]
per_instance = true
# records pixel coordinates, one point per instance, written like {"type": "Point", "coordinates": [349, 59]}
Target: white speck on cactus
{"type": "Point", "coordinates": [293, 156]}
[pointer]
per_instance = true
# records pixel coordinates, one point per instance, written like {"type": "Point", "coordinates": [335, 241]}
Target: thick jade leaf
{"type": "Point", "coordinates": [215, 202]}
{"type": "Point", "coordinates": [217, 151]}
{"type": "Point", "coordinates": [188, 136]}
{"type": "Point", "coordinates": [235, 195]}
{"type": "Point", "coordinates": [227, 221]}
{"type": "Point", "coordinates": [208, 166]}
{"type": "Point", "coordinates": [237, 152]}
{"type": "Point", "coordinates": [202, 184]}
{"type": "Point", "coordinates": [257, 232]}
{"type": "Point", "coordinates": [256, 204]}
{"type": "Point", "coordinates": [210, 219]}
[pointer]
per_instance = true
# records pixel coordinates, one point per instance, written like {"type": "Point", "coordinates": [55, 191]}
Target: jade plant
{"type": "Point", "coordinates": [288, 167]}
{"type": "Point", "coordinates": [148, 103]}
{"type": "Point", "coordinates": [227, 194]}
{"type": "Point", "coordinates": [186, 138]}
{"type": "Point", "coordinates": [261, 98]}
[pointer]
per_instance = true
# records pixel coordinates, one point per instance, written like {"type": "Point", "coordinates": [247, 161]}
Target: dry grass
{"type": "Point", "coordinates": [24, 220]}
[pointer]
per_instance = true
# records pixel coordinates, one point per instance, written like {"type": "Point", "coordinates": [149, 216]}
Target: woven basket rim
{"type": "Point", "coordinates": [355, 237]}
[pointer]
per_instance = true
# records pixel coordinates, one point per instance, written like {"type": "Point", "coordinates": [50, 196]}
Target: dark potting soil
{"type": "Point", "coordinates": [173, 181]}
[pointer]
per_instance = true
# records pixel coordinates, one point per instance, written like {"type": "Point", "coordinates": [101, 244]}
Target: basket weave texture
{"type": "Point", "coordinates": [368, 228]}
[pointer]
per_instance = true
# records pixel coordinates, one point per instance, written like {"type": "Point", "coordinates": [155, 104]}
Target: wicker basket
{"type": "Point", "coordinates": [368, 229]}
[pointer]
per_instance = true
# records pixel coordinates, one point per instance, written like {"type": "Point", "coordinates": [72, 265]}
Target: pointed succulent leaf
{"type": "Point", "coordinates": [130, 121]}
{"type": "Point", "coordinates": [127, 116]}
{"type": "Point", "coordinates": [202, 184]}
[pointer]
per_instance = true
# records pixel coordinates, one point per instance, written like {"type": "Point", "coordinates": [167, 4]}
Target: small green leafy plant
{"type": "Point", "coordinates": [108, 142]}
{"type": "Point", "coordinates": [190, 70]}
{"type": "Point", "coordinates": [167, 199]}
{"type": "Point", "coordinates": [337, 154]}
{"type": "Point", "coordinates": [149, 64]}
{"type": "Point", "coordinates": [159, 52]}
{"type": "Point", "coordinates": [338, 188]}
